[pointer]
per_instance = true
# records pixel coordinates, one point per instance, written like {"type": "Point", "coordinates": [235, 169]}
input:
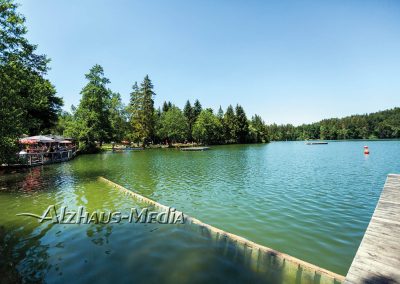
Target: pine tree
{"type": "Point", "coordinates": [197, 108]}
{"type": "Point", "coordinates": [93, 112]}
{"type": "Point", "coordinates": [142, 111]}
{"type": "Point", "coordinates": [241, 125]}
{"type": "Point", "coordinates": [229, 125]}
{"type": "Point", "coordinates": [188, 113]}
{"type": "Point", "coordinates": [135, 111]}
{"type": "Point", "coordinates": [146, 88]}
{"type": "Point", "coordinates": [165, 107]}
{"type": "Point", "coordinates": [220, 113]}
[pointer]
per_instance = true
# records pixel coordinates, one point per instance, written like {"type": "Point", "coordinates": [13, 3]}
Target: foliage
{"type": "Point", "coordinates": [118, 118]}
{"type": "Point", "coordinates": [190, 118]}
{"type": "Point", "coordinates": [172, 126]}
{"type": "Point", "coordinates": [207, 128]}
{"type": "Point", "coordinates": [142, 114]}
{"type": "Point", "coordinates": [166, 106]}
{"type": "Point", "coordinates": [241, 125]}
{"type": "Point", "coordinates": [257, 130]}
{"type": "Point", "coordinates": [197, 108]}
{"type": "Point", "coordinates": [93, 113]}
{"type": "Point", "coordinates": [229, 124]}
{"type": "Point", "coordinates": [379, 125]}
{"type": "Point", "coordinates": [26, 96]}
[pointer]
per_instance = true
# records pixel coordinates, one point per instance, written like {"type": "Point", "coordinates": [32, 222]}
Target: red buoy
{"type": "Point", "coordinates": [366, 150]}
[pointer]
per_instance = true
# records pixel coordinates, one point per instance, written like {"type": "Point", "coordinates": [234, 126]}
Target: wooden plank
{"type": "Point", "coordinates": [378, 258]}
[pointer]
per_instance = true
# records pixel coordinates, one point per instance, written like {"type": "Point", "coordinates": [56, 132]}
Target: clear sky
{"type": "Point", "coordinates": [289, 61]}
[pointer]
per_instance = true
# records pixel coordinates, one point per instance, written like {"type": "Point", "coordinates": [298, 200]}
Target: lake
{"type": "Point", "coordinates": [313, 202]}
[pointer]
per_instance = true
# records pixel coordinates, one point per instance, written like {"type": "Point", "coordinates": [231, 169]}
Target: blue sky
{"type": "Point", "coordinates": [289, 61]}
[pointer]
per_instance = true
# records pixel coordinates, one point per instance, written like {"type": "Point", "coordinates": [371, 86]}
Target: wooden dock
{"type": "Point", "coordinates": [195, 148]}
{"type": "Point", "coordinates": [378, 257]}
{"type": "Point", "coordinates": [316, 143]}
{"type": "Point", "coordinates": [42, 158]}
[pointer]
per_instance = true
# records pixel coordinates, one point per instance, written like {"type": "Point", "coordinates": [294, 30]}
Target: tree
{"type": "Point", "coordinates": [172, 126]}
{"type": "Point", "coordinates": [93, 112]}
{"type": "Point", "coordinates": [188, 111]}
{"type": "Point", "coordinates": [65, 119]}
{"type": "Point", "coordinates": [166, 106]}
{"type": "Point", "coordinates": [229, 125]}
{"type": "Point", "coordinates": [25, 93]}
{"type": "Point", "coordinates": [42, 106]}
{"type": "Point", "coordinates": [241, 125]}
{"type": "Point", "coordinates": [257, 130]}
{"type": "Point", "coordinates": [197, 108]}
{"type": "Point", "coordinates": [118, 118]}
{"type": "Point", "coordinates": [207, 128]}
{"type": "Point", "coordinates": [220, 114]}
{"type": "Point", "coordinates": [135, 111]}
{"type": "Point", "coordinates": [142, 111]}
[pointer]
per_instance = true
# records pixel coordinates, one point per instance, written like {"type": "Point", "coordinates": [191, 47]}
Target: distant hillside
{"type": "Point", "coordinates": [383, 125]}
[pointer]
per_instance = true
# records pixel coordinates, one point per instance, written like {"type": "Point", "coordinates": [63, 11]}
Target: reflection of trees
{"type": "Point", "coordinates": [23, 259]}
{"type": "Point", "coordinates": [99, 234]}
{"type": "Point", "coordinates": [8, 263]}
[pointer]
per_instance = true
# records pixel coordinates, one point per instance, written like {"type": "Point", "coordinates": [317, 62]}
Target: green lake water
{"type": "Point", "coordinates": [311, 202]}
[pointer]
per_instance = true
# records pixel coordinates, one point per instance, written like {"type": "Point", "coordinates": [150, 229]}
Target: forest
{"type": "Point", "coordinates": [379, 125]}
{"type": "Point", "coordinates": [101, 116]}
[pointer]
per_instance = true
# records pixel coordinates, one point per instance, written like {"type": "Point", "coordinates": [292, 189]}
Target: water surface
{"type": "Point", "coordinates": [312, 202]}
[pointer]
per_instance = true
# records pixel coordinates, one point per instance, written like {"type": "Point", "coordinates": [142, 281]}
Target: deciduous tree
{"type": "Point", "coordinates": [172, 126]}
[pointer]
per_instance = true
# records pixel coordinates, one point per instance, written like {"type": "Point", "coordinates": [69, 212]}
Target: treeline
{"type": "Point", "coordinates": [28, 102]}
{"type": "Point", "coordinates": [379, 125]}
{"type": "Point", "coordinates": [102, 117]}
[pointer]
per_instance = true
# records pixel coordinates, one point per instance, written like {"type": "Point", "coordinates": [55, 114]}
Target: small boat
{"type": "Point", "coordinates": [195, 148]}
{"type": "Point", "coordinates": [317, 143]}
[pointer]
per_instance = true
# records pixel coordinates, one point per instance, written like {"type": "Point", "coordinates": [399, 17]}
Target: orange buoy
{"type": "Point", "coordinates": [366, 150]}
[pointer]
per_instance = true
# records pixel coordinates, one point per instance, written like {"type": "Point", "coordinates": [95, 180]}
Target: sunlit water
{"type": "Point", "coordinates": [312, 202]}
